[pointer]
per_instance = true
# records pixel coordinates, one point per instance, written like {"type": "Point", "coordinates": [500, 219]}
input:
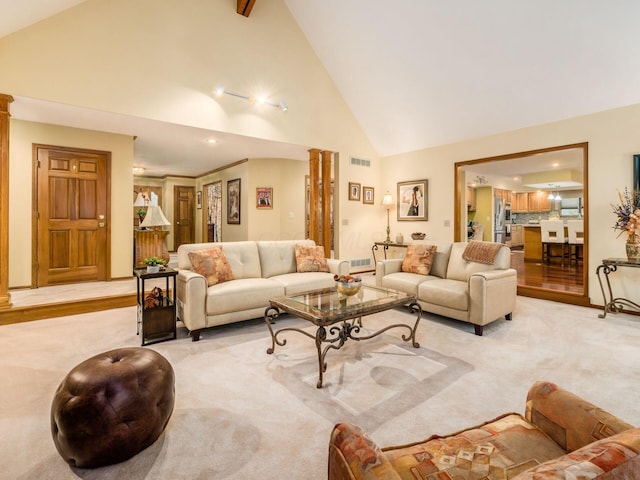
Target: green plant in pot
{"type": "Point", "coordinates": [141, 212]}
{"type": "Point", "coordinates": [153, 264]}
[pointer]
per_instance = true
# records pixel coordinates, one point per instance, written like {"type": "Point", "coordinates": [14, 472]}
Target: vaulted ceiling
{"type": "Point", "coordinates": [421, 73]}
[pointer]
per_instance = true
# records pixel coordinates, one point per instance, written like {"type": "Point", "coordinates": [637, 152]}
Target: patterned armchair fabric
{"type": "Point", "coordinates": [560, 437]}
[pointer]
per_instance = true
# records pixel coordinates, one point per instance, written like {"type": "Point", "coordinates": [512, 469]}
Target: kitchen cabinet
{"type": "Point", "coordinates": [471, 199]}
{"type": "Point", "coordinates": [521, 205]}
{"type": "Point", "coordinates": [539, 202]}
{"type": "Point", "coordinates": [503, 194]}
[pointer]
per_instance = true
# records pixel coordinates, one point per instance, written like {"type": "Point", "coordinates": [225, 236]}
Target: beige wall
{"type": "Point", "coordinates": [613, 139]}
{"type": "Point", "coordinates": [286, 219]}
{"type": "Point", "coordinates": [22, 136]}
{"type": "Point", "coordinates": [140, 68]}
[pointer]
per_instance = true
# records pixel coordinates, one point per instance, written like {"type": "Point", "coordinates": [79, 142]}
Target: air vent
{"type": "Point", "coordinates": [360, 262]}
{"type": "Point", "coordinates": [360, 162]}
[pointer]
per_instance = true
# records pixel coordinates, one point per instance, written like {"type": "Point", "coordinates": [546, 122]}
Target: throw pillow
{"type": "Point", "coordinates": [419, 258]}
{"type": "Point", "coordinates": [212, 264]}
{"type": "Point", "coordinates": [310, 259]}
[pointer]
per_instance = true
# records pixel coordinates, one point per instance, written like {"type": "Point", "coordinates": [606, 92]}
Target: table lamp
{"type": "Point", "coordinates": [155, 218]}
{"type": "Point", "coordinates": [387, 202]}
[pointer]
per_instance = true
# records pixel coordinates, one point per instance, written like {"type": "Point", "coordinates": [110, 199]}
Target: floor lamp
{"type": "Point", "coordinates": [387, 202]}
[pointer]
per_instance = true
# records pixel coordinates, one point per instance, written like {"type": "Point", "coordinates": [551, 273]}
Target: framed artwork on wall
{"type": "Point", "coordinates": [233, 202]}
{"type": "Point", "coordinates": [199, 199]}
{"type": "Point", "coordinates": [354, 191]}
{"type": "Point", "coordinates": [367, 195]}
{"type": "Point", "coordinates": [412, 201]}
{"type": "Point", "coordinates": [264, 198]}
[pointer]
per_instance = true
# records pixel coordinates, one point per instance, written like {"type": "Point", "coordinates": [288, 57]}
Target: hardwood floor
{"type": "Point", "coordinates": [553, 276]}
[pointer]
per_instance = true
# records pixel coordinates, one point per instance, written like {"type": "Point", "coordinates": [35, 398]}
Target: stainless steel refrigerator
{"type": "Point", "coordinates": [498, 220]}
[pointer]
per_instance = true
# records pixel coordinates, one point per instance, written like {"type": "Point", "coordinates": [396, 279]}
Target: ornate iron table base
{"type": "Point", "coordinates": [335, 335]}
{"type": "Point", "coordinates": [611, 304]}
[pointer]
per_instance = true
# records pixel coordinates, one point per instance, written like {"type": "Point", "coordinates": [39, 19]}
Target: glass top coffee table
{"type": "Point", "coordinates": [339, 318]}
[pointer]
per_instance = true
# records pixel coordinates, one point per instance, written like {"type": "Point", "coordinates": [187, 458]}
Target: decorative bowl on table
{"type": "Point", "coordinates": [347, 285]}
{"type": "Point", "coordinates": [418, 235]}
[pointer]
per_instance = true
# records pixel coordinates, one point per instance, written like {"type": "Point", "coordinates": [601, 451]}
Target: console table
{"type": "Point", "coordinates": [385, 246]}
{"type": "Point", "coordinates": [611, 304]}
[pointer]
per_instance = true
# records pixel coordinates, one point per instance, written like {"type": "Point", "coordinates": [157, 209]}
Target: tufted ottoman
{"type": "Point", "coordinates": [112, 406]}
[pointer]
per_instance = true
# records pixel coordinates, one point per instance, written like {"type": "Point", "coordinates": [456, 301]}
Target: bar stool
{"type": "Point", "coordinates": [575, 234]}
{"type": "Point", "coordinates": [552, 233]}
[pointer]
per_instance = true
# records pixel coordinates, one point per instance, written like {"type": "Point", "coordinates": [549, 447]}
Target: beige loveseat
{"type": "Point", "coordinates": [261, 270]}
{"type": "Point", "coordinates": [473, 292]}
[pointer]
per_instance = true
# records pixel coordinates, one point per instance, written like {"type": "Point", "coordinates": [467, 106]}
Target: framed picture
{"type": "Point", "coordinates": [233, 202]}
{"type": "Point", "coordinates": [367, 195]}
{"type": "Point", "coordinates": [354, 191]}
{"type": "Point", "coordinates": [199, 199]}
{"type": "Point", "coordinates": [264, 198]}
{"type": "Point", "coordinates": [412, 200]}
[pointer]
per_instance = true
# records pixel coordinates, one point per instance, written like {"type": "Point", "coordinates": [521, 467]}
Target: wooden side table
{"type": "Point", "coordinates": [156, 323]}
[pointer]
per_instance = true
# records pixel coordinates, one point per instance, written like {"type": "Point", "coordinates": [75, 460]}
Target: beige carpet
{"type": "Point", "coordinates": [241, 413]}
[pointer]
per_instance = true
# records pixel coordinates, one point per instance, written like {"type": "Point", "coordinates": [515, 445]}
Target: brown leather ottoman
{"type": "Point", "coordinates": [112, 406]}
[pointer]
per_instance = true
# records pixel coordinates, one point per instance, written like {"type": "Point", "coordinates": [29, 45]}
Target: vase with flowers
{"type": "Point", "coordinates": [628, 213]}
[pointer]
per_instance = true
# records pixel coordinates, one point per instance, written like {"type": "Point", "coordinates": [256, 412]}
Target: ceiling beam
{"type": "Point", "coordinates": [244, 7]}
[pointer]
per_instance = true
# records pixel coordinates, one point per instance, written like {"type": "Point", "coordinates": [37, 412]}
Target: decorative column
{"type": "Point", "coordinates": [326, 202]}
{"type": "Point", "coordinates": [5, 297]}
{"type": "Point", "coordinates": [314, 194]}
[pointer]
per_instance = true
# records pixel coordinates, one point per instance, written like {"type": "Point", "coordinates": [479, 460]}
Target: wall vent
{"type": "Point", "coordinates": [360, 262]}
{"type": "Point", "coordinates": [360, 162]}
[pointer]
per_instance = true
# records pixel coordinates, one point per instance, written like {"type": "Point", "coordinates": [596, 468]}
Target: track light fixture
{"type": "Point", "coordinates": [259, 100]}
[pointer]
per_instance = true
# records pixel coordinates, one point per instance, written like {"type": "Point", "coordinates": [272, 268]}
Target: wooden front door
{"type": "Point", "coordinates": [183, 215]}
{"type": "Point", "coordinates": [71, 238]}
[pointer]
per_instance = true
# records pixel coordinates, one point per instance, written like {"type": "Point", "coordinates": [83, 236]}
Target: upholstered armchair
{"type": "Point", "coordinates": [561, 436]}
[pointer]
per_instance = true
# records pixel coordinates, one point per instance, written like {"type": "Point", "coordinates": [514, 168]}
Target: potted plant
{"type": "Point", "coordinates": [153, 264]}
{"type": "Point", "coordinates": [141, 212]}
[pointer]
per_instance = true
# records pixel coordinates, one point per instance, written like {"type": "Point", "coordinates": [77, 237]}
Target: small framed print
{"type": "Point", "coordinates": [412, 200]}
{"type": "Point", "coordinates": [367, 195]}
{"type": "Point", "coordinates": [354, 191]}
{"type": "Point", "coordinates": [264, 198]}
{"type": "Point", "coordinates": [199, 199]}
{"type": "Point", "coordinates": [233, 202]}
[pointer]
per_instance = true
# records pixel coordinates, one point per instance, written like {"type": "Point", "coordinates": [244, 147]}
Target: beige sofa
{"type": "Point", "coordinates": [261, 270]}
{"type": "Point", "coordinates": [470, 291]}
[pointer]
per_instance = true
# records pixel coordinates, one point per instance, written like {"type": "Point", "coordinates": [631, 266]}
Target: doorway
{"type": "Point", "coordinates": [528, 180]}
{"type": "Point", "coordinates": [183, 215]}
{"type": "Point", "coordinates": [71, 233]}
{"type": "Point", "coordinates": [212, 217]}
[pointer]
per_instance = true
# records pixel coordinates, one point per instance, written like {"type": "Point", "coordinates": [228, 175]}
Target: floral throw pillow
{"type": "Point", "coordinates": [212, 264]}
{"type": "Point", "coordinates": [310, 259]}
{"type": "Point", "coordinates": [419, 258]}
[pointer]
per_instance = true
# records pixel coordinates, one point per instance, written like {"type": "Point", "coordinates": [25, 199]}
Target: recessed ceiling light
{"type": "Point", "coordinates": [212, 140]}
{"type": "Point", "coordinates": [556, 164]}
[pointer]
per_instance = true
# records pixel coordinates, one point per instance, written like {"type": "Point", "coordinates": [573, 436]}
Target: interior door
{"type": "Point", "coordinates": [183, 214]}
{"type": "Point", "coordinates": [71, 200]}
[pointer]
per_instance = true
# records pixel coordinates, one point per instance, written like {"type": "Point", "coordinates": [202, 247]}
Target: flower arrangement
{"type": "Point", "coordinates": [628, 213]}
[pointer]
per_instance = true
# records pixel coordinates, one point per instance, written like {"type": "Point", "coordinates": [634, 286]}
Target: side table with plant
{"type": "Point", "coordinates": [154, 264]}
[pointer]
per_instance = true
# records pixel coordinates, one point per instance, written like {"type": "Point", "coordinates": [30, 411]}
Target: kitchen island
{"type": "Point", "coordinates": [532, 243]}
